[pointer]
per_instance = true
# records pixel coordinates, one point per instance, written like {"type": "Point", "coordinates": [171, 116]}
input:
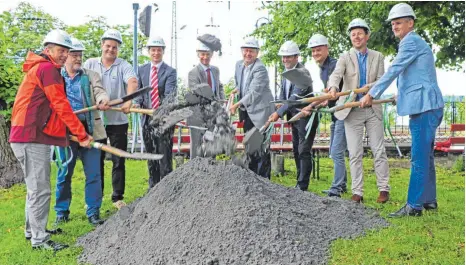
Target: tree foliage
{"type": "Point", "coordinates": [91, 32]}
{"type": "Point", "coordinates": [441, 24]}
{"type": "Point", "coordinates": [24, 28]}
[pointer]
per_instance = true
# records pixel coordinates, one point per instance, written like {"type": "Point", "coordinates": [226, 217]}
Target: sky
{"type": "Point", "coordinates": [231, 25]}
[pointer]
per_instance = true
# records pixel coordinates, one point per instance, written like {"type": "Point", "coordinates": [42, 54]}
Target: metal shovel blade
{"type": "Point", "coordinates": [298, 76]}
{"type": "Point", "coordinates": [288, 102]}
{"type": "Point", "coordinates": [143, 156]}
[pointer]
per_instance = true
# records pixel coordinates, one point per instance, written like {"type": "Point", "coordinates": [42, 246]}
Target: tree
{"type": "Point", "coordinates": [21, 30]}
{"type": "Point", "coordinates": [441, 24]}
{"type": "Point", "coordinates": [90, 33]}
{"type": "Point", "coordinates": [10, 169]}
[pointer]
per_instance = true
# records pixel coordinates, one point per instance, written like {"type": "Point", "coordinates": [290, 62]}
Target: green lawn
{"type": "Point", "coordinates": [435, 238]}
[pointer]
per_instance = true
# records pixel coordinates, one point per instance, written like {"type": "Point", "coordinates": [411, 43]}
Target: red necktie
{"type": "Point", "coordinates": [154, 83]}
{"type": "Point", "coordinates": [209, 79]}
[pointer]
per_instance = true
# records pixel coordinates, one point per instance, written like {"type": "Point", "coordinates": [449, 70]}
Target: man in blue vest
{"type": "Point", "coordinates": [419, 97]}
{"type": "Point", "coordinates": [83, 89]}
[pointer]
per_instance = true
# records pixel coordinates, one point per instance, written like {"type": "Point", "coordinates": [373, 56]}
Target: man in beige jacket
{"type": "Point", "coordinates": [83, 89]}
{"type": "Point", "coordinates": [361, 67]}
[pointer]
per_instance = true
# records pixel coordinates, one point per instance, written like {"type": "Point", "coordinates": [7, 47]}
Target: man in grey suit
{"type": "Point", "coordinates": [361, 67]}
{"type": "Point", "coordinates": [162, 79]}
{"type": "Point", "coordinates": [301, 146]}
{"type": "Point", "coordinates": [203, 73]}
{"type": "Point", "coordinates": [252, 85]}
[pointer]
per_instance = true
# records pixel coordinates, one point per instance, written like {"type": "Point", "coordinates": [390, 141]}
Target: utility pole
{"type": "Point", "coordinates": [135, 37]}
{"type": "Point", "coordinates": [173, 58]}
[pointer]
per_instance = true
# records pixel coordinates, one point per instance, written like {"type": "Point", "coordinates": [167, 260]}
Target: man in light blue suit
{"type": "Point", "coordinates": [419, 97]}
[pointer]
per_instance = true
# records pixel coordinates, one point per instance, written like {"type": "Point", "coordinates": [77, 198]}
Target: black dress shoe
{"type": "Point", "coordinates": [52, 232]}
{"type": "Point", "coordinates": [430, 206]}
{"type": "Point", "coordinates": [51, 245]}
{"type": "Point", "coordinates": [406, 211]}
{"type": "Point", "coordinates": [95, 220]}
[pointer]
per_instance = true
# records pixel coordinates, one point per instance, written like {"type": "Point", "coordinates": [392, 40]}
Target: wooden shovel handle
{"type": "Point", "coordinates": [357, 104]}
{"type": "Point", "coordinates": [100, 146]}
{"type": "Point", "coordinates": [149, 112]}
{"type": "Point", "coordinates": [85, 110]}
{"type": "Point", "coordinates": [339, 94]}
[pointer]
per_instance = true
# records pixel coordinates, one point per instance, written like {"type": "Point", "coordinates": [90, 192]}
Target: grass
{"type": "Point", "coordinates": [435, 238]}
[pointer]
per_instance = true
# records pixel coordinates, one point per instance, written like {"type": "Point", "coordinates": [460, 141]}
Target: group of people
{"type": "Point", "coordinates": [43, 115]}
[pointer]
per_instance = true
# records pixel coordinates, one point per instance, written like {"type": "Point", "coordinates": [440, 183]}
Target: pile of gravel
{"type": "Point", "coordinates": [213, 212]}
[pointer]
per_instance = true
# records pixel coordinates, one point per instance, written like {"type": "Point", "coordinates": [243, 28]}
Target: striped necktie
{"type": "Point", "coordinates": [154, 83]}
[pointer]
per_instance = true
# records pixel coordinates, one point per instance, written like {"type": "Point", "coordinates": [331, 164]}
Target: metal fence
{"type": "Point", "coordinates": [453, 112]}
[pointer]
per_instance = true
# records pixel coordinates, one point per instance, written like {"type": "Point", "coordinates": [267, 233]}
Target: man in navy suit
{"type": "Point", "coordinates": [289, 52]}
{"type": "Point", "coordinates": [162, 79]}
{"type": "Point", "coordinates": [419, 97]}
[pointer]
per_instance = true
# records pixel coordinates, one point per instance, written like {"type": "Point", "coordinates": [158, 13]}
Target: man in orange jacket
{"type": "Point", "coordinates": [41, 115]}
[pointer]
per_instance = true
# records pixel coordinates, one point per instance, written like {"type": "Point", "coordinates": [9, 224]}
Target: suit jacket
{"type": "Point", "coordinates": [293, 94]}
{"type": "Point", "coordinates": [414, 65]}
{"type": "Point", "coordinates": [99, 93]}
{"type": "Point", "coordinates": [347, 68]}
{"type": "Point", "coordinates": [256, 96]}
{"type": "Point", "coordinates": [167, 85]}
{"type": "Point", "coordinates": [198, 76]}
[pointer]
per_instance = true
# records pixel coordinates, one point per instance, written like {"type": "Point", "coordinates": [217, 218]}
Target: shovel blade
{"type": "Point", "coordinates": [288, 102]}
{"type": "Point", "coordinates": [144, 156]}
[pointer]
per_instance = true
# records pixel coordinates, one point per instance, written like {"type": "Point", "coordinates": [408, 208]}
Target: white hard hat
{"type": "Point", "coordinates": [78, 46]}
{"type": "Point", "coordinates": [155, 41]}
{"type": "Point", "coordinates": [59, 37]}
{"type": "Point", "coordinates": [202, 47]}
{"type": "Point", "coordinates": [250, 42]}
{"type": "Point", "coordinates": [401, 10]}
{"type": "Point", "coordinates": [289, 48]}
{"type": "Point", "coordinates": [112, 34]}
{"type": "Point", "coordinates": [358, 23]}
{"type": "Point", "coordinates": [317, 40]}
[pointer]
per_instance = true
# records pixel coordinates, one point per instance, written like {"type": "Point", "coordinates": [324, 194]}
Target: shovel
{"type": "Point", "coordinates": [149, 112]}
{"type": "Point", "coordinates": [357, 104]}
{"type": "Point", "coordinates": [118, 100]}
{"type": "Point", "coordinates": [301, 114]}
{"type": "Point", "coordinates": [321, 98]}
{"type": "Point", "coordinates": [121, 153]}
{"type": "Point", "coordinates": [191, 127]}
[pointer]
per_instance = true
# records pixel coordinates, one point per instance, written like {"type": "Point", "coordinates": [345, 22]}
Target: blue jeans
{"type": "Point", "coordinates": [93, 189]}
{"type": "Point", "coordinates": [422, 183]}
{"type": "Point", "coordinates": [337, 149]}
{"type": "Point", "coordinates": [332, 135]}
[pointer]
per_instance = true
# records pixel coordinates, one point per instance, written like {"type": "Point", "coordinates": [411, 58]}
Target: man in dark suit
{"type": "Point", "coordinates": [203, 73]}
{"type": "Point", "coordinates": [252, 85]}
{"type": "Point", "coordinates": [163, 80]}
{"type": "Point", "coordinates": [301, 146]}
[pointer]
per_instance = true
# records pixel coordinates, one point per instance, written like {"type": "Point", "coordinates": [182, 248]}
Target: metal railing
{"type": "Point", "coordinates": [454, 112]}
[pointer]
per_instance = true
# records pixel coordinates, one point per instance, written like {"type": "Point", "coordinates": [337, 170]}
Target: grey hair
{"type": "Point", "coordinates": [50, 45]}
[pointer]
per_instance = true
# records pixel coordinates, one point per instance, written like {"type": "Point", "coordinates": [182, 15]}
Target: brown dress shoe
{"type": "Point", "coordinates": [383, 197]}
{"type": "Point", "coordinates": [357, 198]}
